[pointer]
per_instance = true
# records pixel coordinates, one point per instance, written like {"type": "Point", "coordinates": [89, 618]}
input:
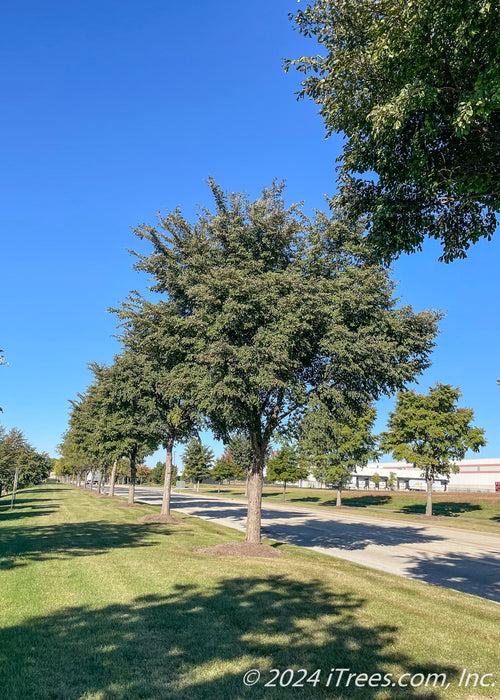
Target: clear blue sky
{"type": "Point", "coordinates": [114, 110]}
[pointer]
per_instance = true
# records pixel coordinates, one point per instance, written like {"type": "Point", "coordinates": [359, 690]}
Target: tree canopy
{"type": "Point", "coordinates": [335, 444]}
{"type": "Point", "coordinates": [198, 460]}
{"type": "Point", "coordinates": [285, 467]}
{"type": "Point", "coordinates": [415, 88]}
{"type": "Point", "coordinates": [241, 453]}
{"type": "Point", "coordinates": [125, 400]}
{"type": "Point", "coordinates": [270, 307]}
{"type": "Point", "coordinates": [15, 451]}
{"type": "Point", "coordinates": [430, 432]}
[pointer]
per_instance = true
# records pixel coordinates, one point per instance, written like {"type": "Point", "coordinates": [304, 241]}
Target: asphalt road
{"type": "Point", "coordinates": [464, 560]}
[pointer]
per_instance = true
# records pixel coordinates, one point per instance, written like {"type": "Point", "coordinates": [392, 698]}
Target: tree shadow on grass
{"type": "Point", "coordinates": [364, 501]}
{"type": "Point", "coordinates": [25, 502]}
{"type": "Point", "coordinates": [445, 508]}
{"type": "Point", "coordinates": [197, 643]}
{"type": "Point", "coordinates": [303, 499]}
{"type": "Point", "coordinates": [18, 545]}
{"type": "Point", "coordinates": [8, 515]}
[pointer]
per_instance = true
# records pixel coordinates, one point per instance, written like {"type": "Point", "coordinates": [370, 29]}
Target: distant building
{"type": "Point", "coordinates": [474, 475]}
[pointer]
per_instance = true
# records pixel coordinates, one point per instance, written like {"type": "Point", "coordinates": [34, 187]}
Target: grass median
{"type": "Point", "coordinates": [97, 606]}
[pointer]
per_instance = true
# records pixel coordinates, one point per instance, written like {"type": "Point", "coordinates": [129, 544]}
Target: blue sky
{"type": "Point", "coordinates": [115, 110]}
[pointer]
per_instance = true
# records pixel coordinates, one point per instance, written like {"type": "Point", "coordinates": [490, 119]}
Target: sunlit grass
{"type": "Point", "coordinates": [96, 605]}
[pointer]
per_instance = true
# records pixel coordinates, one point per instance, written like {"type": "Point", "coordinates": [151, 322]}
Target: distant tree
{"type": "Point", "coordinates": [143, 473]}
{"type": "Point", "coordinates": [123, 470]}
{"type": "Point", "coordinates": [126, 398]}
{"type": "Point", "coordinates": [414, 87]}
{"type": "Point", "coordinates": [73, 460]}
{"type": "Point", "coordinates": [161, 355]}
{"type": "Point", "coordinates": [158, 473]}
{"type": "Point", "coordinates": [284, 466]}
{"type": "Point", "coordinates": [335, 444]}
{"type": "Point", "coordinates": [392, 481]}
{"type": "Point", "coordinates": [430, 432]}
{"type": "Point", "coordinates": [18, 456]}
{"type": "Point", "coordinates": [197, 460]}
{"type": "Point", "coordinates": [174, 476]}
{"type": "Point", "coordinates": [95, 436]}
{"type": "Point", "coordinates": [270, 308]}
{"type": "Point", "coordinates": [376, 478]}
{"type": "Point", "coordinates": [222, 469]}
{"type": "Point", "coordinates": [241, 452]}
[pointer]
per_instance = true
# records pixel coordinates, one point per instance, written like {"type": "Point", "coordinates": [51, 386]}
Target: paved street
{"type": "Point", "coordinates": [464, 560]}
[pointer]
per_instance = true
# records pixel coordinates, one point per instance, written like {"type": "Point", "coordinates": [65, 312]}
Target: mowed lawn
{"type": "Point", "coordinates": [449, 508]}
{"type": "Point", "coordinates": [95, 605]}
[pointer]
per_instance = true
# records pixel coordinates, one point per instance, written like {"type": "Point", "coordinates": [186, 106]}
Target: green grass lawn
{"type": "Point", "coordinates": [97, 606]}
{"type": "Point", "coordinates": [473, 511]}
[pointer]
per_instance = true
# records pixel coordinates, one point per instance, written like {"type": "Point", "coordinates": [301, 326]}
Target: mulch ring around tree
{"type": "Point", "coordinates": [241, 549]}
{"type": "Point", "coordinates": [157, 518]}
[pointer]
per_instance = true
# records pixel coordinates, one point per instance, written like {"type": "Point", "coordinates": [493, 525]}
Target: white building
{"type": "Point", "coordinates": [473, 475]}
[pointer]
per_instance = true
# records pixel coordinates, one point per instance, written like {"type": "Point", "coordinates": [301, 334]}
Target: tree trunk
{"type": "Point", "coordinates": [78, 479]}
{"type": "Point", "coordinates": [284, 490]}
{"type": "Point", "coordinates": [197, 485]}
{"type": "Point", "coordinates": [339, 498]}
{"type": "Point", "coordinates": [92, 480]}
{"type": "Point", "coordinates": [112, 479]}
{"type": "Point", "coordinates": [133, 473]}
{"type": "Point", "coordinates": [99, 485]}
{"type": "Point", "coordinates": [255, 483]}
{"type": "Point", "coordinates": [218, 487]}
{"type": "Point", "coordinates": [167, 481]}
{"type": "Point", "coordinates": [428, 505]}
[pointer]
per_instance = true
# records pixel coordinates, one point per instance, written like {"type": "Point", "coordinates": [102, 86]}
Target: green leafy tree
{"type": "Point", "coordinates": [430, 432]}
{"type": "Point", "coordinates": [415, 87]}
{"type": "Point", "coordinates": [158, 474]}
{"type": "Point", "coordinates": [143, 473]}
{"type": "Point", "coordinates": [269, 308]}
{"type": "Point", "coordinates": [160, 355]}
{"type": "Point", "coordinates": [198, 459]}
{"type": "Point", "coordinates": [17, 456]}
{"type": "Point", "coordinates": [376, 478]}
{"type": "Point", "coordinates": [284, 466]}
{"type": "Point", "coordinates": [392, 481]}
{"type": "Point", "coordinates": [123, 470]}
{"type": "Point", "coordinates": [126, 399]}
{"type": "Point", "coordinates": [223, 469]}
{"type": "Point", "coordinates": [335, 444]}
{"type": "Point", "coordinates": [72, 461]}
{"type": "Point", "coordinates": [241, 452]}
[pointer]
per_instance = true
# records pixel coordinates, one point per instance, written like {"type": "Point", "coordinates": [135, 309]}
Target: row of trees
{"type": "Point", "coordinates": [429, 431]}
{"type": "Point", "coordinates": [20, 464]}
{"type": "Point", "coordinates": [258, 316]}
